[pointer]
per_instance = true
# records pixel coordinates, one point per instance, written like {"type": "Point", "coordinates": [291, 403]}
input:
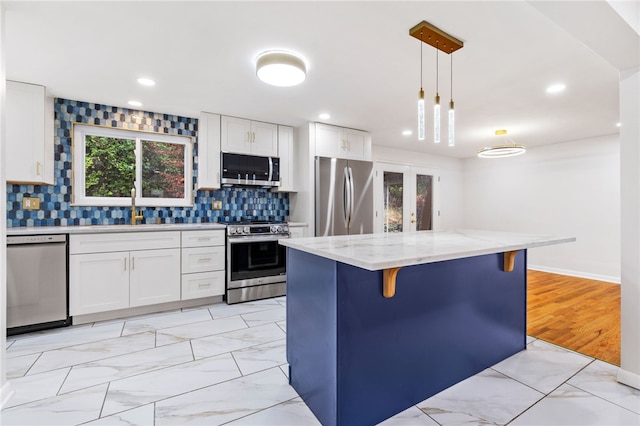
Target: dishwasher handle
{"type": "Point", "coordinates": [36, 239]}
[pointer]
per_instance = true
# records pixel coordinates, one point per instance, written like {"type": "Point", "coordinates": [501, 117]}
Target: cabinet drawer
{"type": "Point", "coordinates": [204, 284]}
{"type": "Point", "coordinates": [202, 259]}
{"type": "Point", "coordinates": [123, 241]}
{"type": "Point", "coordinates": [203, 238]}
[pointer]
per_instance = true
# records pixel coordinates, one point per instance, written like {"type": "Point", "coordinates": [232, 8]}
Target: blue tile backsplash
{"type": "Point", "coordinates": [55, 200]}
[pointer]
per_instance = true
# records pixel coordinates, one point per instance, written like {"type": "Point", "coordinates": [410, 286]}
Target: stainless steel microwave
{"type": "Point", "coordinates": [241, 169]}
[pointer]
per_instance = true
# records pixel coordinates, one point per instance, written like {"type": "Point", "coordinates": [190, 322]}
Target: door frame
{"type": "Point", "coordinates": [409, 172]}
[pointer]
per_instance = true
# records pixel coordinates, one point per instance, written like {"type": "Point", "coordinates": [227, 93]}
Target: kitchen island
{"type": "Point", "coordinates": [377, 323]}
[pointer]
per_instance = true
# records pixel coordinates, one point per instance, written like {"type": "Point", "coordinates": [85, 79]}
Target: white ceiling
{"type": "Point", "coordinates": [364, 68]}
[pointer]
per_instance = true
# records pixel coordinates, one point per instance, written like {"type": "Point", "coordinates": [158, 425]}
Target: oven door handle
{"type": "Point", "coordinates": [250, 239]}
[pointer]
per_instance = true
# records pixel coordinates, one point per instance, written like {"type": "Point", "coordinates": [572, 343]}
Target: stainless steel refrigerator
{"type": "Point", "coordinates": [344, 197]}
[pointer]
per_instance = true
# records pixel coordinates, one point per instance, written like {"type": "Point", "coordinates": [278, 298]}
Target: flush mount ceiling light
{"type": "Point", "coordinates": [407, 132]}
{"type": "Point", "coordinates": [324, 116]}
{"type": "Point", "coordinates": [280, 68]}
{"type": "Point", "coordinates": [510, 149]}
{"type": "Point", "coordinates": [135, 103]}
{"type": "Point", "coordinates": [556, 88]}
{"type": "Point", "coordinates": [146, 81]}
{"type": "Point", "coordinates": [434, 36]}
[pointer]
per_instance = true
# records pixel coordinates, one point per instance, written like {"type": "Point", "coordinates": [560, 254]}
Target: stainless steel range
{"type": "Point", "coordinates": [256, 263]}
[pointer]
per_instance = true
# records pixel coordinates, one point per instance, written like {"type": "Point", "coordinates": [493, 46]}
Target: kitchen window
{"type": "Point", "coordinates": [109, 162]}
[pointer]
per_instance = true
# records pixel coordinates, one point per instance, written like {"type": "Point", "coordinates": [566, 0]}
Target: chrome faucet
{"type": "Point", "coordinates": [135, 217]}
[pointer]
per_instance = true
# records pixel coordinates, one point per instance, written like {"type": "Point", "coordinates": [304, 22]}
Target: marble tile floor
{"type": "Point", "coordinates": [221, 364]}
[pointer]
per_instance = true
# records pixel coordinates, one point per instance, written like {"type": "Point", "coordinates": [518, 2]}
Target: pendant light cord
{"type": "Point", "coordinates": [421, 60]}
{"type": "Point", "coordinates": [451, 73]}
{"type": "Point", "coordinates": [437, 78]}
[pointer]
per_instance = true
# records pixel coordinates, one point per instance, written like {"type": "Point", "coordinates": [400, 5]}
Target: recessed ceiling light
{"type": "Point", "coordinates": [407, 132]}
{"type": "Point", "coordinates": [618, 124]}
{"type": "Point", "coordinates": [324, 116]}
{"type": "Point", "coordinates": [135, 103]}
{"type": "Point", "coordinates": [556, 88]}
{"type": "Point", "coordinates": [146, 81]}
{"type": "Point", "coordinates": [281, 68]}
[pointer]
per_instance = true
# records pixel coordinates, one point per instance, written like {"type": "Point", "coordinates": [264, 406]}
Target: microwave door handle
{"type": "Point", "coordinates": [270, 169]}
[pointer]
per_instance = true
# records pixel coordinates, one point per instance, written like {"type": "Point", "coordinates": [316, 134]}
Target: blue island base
{"type": "Point", "coordinates": [358, 358]}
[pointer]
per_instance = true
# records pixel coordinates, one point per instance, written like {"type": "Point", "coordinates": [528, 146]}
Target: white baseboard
{"type": "Point", "coordinates": [628, 378]}
{"type": "Point", "coordinates": [606, 278]}
{"type": "Point", "coordinates": [6, 392]}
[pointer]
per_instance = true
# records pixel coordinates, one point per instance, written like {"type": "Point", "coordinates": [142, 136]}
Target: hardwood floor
{"type": "Point", "coordinates": [575, 313]}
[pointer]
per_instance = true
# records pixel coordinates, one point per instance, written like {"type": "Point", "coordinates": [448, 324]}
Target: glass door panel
{"type": "Point", "coordinates": [424, 202]}
{"type": "Point", "coordinates": [393, 185]}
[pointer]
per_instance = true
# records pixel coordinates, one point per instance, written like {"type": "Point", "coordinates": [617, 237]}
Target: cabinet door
{"type": "Point", "coordinates": [208, 151]}
{"type": "Point", "coordinates": [98, 282]}
{"type": "Point", "coordinates": [296, 232]}
{"type": "Point", "coordinates": [236, 135]}
{"type": "Point", "coordinates": [29, 134]}
{"type": "Point", "coordinates": [328, 141]}
{"type": "Point", "coordinates": [264, 138]}
{"type": "Point", "coordinates": [154, 277]}
{"type": "Point", "coordinates": [357, 144]}
{"type": "Point", "coordinates": [287, 160]}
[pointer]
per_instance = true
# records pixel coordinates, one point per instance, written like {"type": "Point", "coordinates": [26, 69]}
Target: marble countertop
{"type": "Point", "coordinates": [381, 251]}
{"type": "Point", "coordinates": [101, 229]}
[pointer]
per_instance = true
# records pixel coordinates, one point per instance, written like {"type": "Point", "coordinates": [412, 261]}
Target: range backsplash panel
{"type": "Point", "coordinates": [55, 200]}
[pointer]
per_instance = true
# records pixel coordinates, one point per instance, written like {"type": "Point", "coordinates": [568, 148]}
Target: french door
{"type": "Point", "coordinates": [405, 199]}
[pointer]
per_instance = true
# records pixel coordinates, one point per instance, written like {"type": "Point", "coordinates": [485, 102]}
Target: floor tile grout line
{"type": "Point", "coordinates": [189, 391]}
{"type": "Point", "coordinates": [104, 400]}
{"type": "Point", "coordinates": [260, 410]}
{"type": "Point", "coordinates": [64, 380]}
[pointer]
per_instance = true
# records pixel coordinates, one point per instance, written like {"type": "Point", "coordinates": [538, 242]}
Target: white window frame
{"type": "Point", "coordinates": [80, 131]}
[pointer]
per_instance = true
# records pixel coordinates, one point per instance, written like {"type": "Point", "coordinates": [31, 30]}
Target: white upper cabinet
{"type": "Point", "coordinates": [243, 136]}
{"type": "Point", "coordinates": [287, 159]}
{"type": "Point", "coordinates": [340, 142]}
{"type": "Point", "coordinates": [208, 151]}
{"type": "Point", "coordinates": [29, 134]}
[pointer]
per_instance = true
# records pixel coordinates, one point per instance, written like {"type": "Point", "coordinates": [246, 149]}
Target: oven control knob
{"type": "Point", "coordinates": [246, 230]}
{"type": "Point", "coordinates": [232, 230]}
{"type": "Point", "coordinates": [285, 229]}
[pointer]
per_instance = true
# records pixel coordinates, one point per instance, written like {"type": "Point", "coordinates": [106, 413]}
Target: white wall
{"type": "Point", "coordinates": [571, 188]}
{"type": "Point", "coordinates": [629, 372]}
{"type": "Point", "coordinates": [5, 390]}
{"type": "Point", "coordinates": [449, 199]}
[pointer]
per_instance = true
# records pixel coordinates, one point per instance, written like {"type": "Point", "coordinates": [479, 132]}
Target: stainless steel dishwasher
{"type": "Point", "coordinates": [37, 285]}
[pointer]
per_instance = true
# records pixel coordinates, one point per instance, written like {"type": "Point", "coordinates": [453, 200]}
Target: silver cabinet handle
{"type": "Point", "coordinates": [125, 263]}
{"type": "Point", "coordinates": [133, 263]}
{"type": "Point", "coordinates": [202, 285]}
{"type": "Point", "coordinates": [204, 238]}
{"type": "Point", "coordinates": [204, 259]}
{"type": "Point", "coordinates": [254, 137]}
{"type": "Point", "coordinates": [38, 168]}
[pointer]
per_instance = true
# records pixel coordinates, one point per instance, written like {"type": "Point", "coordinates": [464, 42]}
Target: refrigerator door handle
{"type": "Point", "coordinates": [353, 196]}
{"type": "Point", "coordinates": [346, 193]}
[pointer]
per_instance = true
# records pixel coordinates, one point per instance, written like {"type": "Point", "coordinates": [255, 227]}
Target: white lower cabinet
{"type": "Point", "coordinates": [121, 270]}
{"type": "Point", "coordinates": [98, 282]}
{"type": "Point", "coordinates": [154, 277]}
{"type": "Point", "coordinates": [203, 263]}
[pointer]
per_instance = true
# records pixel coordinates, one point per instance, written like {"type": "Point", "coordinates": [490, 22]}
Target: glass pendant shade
{"type": "Point", "coordinates": [452, 118]}
{"type": "Point", "coordinates": [421, 115]}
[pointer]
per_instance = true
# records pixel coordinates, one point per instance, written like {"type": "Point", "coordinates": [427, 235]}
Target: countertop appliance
{"type": "Point", "coordinates": [240, 169]}
{"type": "Point", "coordinates": [344, 197]}
{"type": "Point", "coordinates": [256, 263]}
{"type": "Point", "coordinates": [37, 284]}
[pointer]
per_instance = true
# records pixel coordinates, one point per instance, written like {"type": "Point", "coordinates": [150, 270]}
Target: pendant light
{"type": "Point", "coordinates": [509, 149]}
{"type": "Point", "coordinates": [421, 100]}
{"type": "Point", "coordinates": [436, 105]}
{"type": "Point", "coordinates": [452, 113]}
{"type": "Point", "coordinates": [437, 38]}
